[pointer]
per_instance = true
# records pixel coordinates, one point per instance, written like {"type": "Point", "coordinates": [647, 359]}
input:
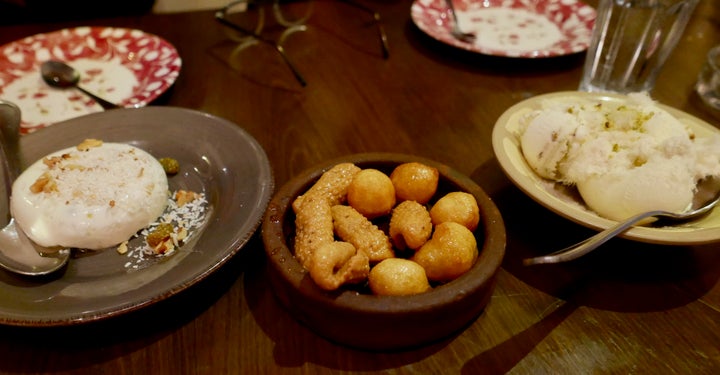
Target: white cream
{"type": "Point", "coordinates": [100, 198]}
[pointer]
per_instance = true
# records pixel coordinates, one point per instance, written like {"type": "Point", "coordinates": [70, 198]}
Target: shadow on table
{"type": "Point", "coordinates": [621, 275]}
{"type": "Point", "coordinates": [94, 343]}
{"type": "Point", "coordinates": [296, 344]}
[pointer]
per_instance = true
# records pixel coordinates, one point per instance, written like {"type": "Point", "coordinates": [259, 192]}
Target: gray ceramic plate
{"type": "Point", "coordinates": [216, 157]}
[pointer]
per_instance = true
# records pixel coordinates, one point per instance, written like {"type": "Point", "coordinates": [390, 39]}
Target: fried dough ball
{"type": "Point", "coordinates": [415, 181]}
{"type": "Point", "coordinates": [332, 185]}
{"type": "Point", "coordinates": [313, 227]}
{"type": "Point", "coordinates": [351, 226]}
{"type": "Point", "coordinates": [459, 207]}
{"type": "Point", "coordinates": [371, 193]}
{"type": "Point", "coordinates": [398, 277]}
{"type": "Point", "coordinates": [410, 225]}
{"type": "Point", "coordinates": [450, 252]}
{"type": "Point", "coordinates": [338, 263]}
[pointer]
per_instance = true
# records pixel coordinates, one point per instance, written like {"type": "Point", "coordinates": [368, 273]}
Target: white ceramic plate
{"type": "Point", "coordinates": [125, 66]}
{"type": "Point", "coordinates": [510, 28]}
{"type": "Point", "coordinates": [217, 158]}
{"type": "Point", "coordinates": [566, 202]}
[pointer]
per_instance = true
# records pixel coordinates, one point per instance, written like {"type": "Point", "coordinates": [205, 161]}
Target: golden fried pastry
{"type": "Point", "coordinates": [338, 263]}
{"type": "Point", "coordinates": [410, 225]}
{"type": "Point", "coordinates": [332, 185]}
{"type": "Point", "coordinates": [371, 193]}
{"type": "Point", "coordinates": [313, 227]}
{"type": "Point", "coordinates": [450, 252]}
{"type": "Point", "coordinates": [459, 207]}
{"type": "Point", "coordinates": [351, 226]}
{"type": "Point", "coordinates": [415, 182]}
{"type": "Point", "coordinates": [398, 277]}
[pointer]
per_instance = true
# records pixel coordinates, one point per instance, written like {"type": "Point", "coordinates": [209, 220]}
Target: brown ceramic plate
{"type": "Point", "coordinates": [216, 157]}
{"type": "Point", "coordinates": [359, 319]}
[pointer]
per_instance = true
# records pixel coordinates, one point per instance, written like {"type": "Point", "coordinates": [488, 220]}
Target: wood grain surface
{"type": "Point", "coordinates": [628, 308]}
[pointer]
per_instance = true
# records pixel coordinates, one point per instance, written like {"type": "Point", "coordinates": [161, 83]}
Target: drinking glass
{"type": "Point", "coordinates": [631, 41]}
{"type": "Point", "coordinates": [708, 83]}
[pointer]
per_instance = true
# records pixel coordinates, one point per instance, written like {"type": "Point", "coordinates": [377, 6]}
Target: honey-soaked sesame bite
{"type": "Point", "coordinates": [450, 252]}
{"type": "Point", "coordinates": [459, 207]}
{"type": "Point", "coordinates": [398, 277]}
{"type": "Point", "coordinates": [371, 193]}
{"type": "Point", "coordinates": [415, 181]}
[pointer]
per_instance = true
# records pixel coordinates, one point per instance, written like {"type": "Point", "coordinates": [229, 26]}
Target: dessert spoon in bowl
{"type": "Point", "coordinates": [18, 253]}
{"type": "Point", "coordinates": [704, 200]}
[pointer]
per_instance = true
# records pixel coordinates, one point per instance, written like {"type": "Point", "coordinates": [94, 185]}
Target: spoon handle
{"type": "Point", "coordinates": [103, 103]}
{"type": "Point", "coordinates": [590, 244]}
{"type": "Point", "coordinates": [10, 117]}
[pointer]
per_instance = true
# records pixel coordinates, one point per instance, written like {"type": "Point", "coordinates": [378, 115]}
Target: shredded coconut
{"type": "Point", "coordinates": [185, 219]}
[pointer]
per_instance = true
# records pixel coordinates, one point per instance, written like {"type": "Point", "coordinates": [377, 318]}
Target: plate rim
{"type": "Point", "coordinates": [235, 241]}
{"type": "Point", "coordinates": [530, 183]}
{"type": "Point", "coordinates": [417, 7]}
{"type": "Point", "coordinates": [128, 32]}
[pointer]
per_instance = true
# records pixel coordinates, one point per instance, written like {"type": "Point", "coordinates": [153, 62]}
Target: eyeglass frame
{"type": "Point", "coordinates": [255, 34]}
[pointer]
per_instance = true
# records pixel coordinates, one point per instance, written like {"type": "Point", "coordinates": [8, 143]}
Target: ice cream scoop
{"type": "Point", "coordinates": [624, 157]}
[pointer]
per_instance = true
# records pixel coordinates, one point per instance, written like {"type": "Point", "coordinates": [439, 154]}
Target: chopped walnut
{"type": "Point", "coordinates": [44, 184]}
{"type": "Point", "coordinates": [164, 247]}
{"type": "Point", "coordinates": [88, 144]}
{"type": "Point", "coordinates": [182, 234]}
{"type": "Point", "coordinates": [51, 162]}
{"type": "Point", "coordinates": [74, 167]}
{"type": "Point", "coordinates": [185, 196]}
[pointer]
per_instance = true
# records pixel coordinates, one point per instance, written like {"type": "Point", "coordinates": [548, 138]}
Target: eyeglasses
{"type": "Point", "coordinates": [290, 14]}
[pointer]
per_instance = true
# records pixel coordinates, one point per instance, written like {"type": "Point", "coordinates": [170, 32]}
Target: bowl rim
{"type": "Point", "coordinates": [491, 253]}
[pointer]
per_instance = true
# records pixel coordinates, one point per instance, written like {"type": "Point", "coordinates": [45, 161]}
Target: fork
{"type": "Point", "coordinates": [455, 31]}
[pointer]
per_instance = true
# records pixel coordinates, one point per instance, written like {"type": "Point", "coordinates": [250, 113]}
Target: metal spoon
{"type": "Point", "coordinates": [705, 199]}
{"type": "Point", "coordinates": [456, 31]}
{"type": "Point", "coordinates": [17, 252]}
{"type": "Point", "coordinates": [59, 74]}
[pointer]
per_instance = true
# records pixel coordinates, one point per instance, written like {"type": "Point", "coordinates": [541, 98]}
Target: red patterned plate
{"type": "Point", "coordinates": [510, 28]}
{"type": "Point", "coordinates": [125, 66]}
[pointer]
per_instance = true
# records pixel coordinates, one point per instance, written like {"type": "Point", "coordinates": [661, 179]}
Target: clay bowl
{"type": "Point", "coordinates": [355, 317]}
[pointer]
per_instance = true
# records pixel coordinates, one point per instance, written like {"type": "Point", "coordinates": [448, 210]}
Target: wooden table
{"type": "Point", "coordinates": [629, 308]}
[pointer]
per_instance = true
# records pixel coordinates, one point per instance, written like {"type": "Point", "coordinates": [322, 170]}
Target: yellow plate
{"type": "Point", "coordinates": [566, 202]}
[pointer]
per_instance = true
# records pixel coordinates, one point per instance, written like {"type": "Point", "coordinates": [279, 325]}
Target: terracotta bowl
{"type": "Point", "coordinates": [355, 317]}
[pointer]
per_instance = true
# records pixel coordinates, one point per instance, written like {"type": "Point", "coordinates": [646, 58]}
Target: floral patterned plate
{"type": "Point", "coordinates": [125, 66]}
{"type": "Point", "coordinates": [510, 28]}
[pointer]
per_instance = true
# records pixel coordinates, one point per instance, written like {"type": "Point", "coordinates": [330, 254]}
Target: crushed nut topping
{"type": "Point", "coordinates": [122, 248]}
{"type": "Point", "coordinates": [44, 184]}
{"type": "Point", "coordinates": [183, 196]}
{"type": "Point", "coordinates": [88, 144]}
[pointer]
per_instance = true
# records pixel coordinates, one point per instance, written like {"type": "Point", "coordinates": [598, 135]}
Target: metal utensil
{"type": "Point", "coordinates": [456, 31]}
{"type": "Point", "coordinates": [59, 74]}
{"type": "Point", "coordinates": [17, 252]}
{"type": "Point", "coordinates": [705, 199]}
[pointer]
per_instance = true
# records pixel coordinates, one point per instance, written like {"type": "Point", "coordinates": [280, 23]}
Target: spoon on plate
{"type": "Point", "coordinates": [456, 31]}
{"type": "Point", "coordinates": [59, 74]}
{"type": "Point", "coordinates": [704, 200]}
{"type": "Point", "coordinates": [18, 253]}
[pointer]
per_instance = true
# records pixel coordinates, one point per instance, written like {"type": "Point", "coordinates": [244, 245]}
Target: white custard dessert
{"type": "Point", "coordinates": [92, 196]}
